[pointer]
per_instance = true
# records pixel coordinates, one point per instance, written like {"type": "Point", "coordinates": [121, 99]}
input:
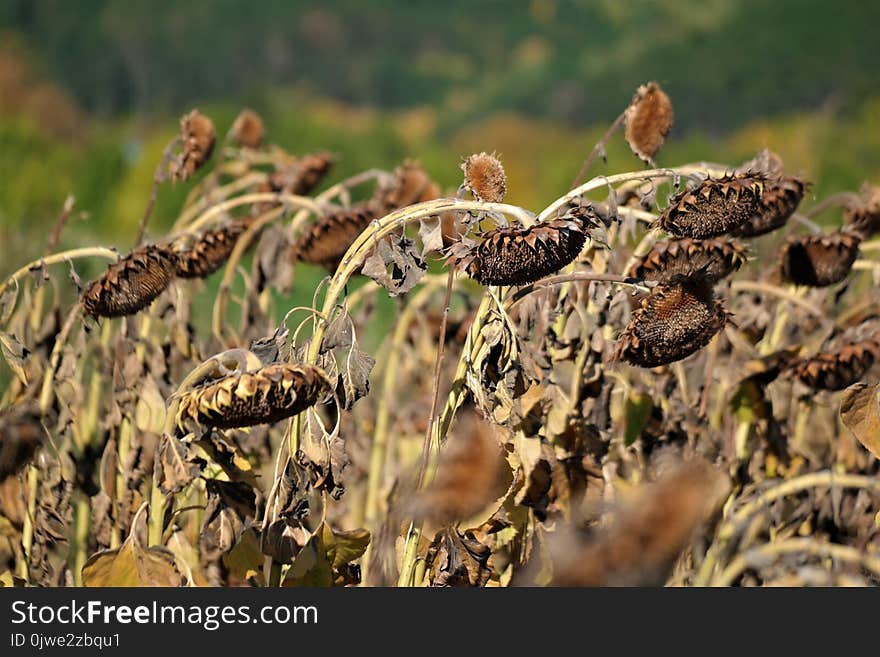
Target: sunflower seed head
{"type": "Point", "coordinates": [673, 322]}
{"type": "Point", "coordinates": [718, 258]}
{"type": "Point", "coordinates": [131, 283]}
{"type": "Point", "coordinates": [244, 399]}
{"type": "Point", "coordinates": [779, 201]}
{"type": "Point", "coordinates": [818, 260]}
{"type": "Point", "coordinates": [714, 207]}
{"type": "Point", "coordinates": [209, 252]}
{"type": "Point", "coordinates": [515, 255]}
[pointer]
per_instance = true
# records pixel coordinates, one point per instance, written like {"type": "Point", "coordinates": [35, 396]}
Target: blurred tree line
{"type": "Point", "coordinates": [90, 91]}
{"type": "Point", "coordinates": [569, 60]}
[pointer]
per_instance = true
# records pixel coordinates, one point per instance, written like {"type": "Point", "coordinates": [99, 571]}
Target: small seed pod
{"type": "Point", "coordinates": [516, 255]}
{"type": "Point", "coordinates": [673, 322]}
{"type": "Point", "coordinates": [717, 258]}
{"type": "Point", "coordinates": [248, 130]}
{"type": "Point", "coordinates": [329, 238]}
{"type": "Point", "coordinates": [484, 177]}
{"type": "Point", "coordinates": [131, 283]}
{"type": "Point", "coordinates": [245, 399]}
{"type": "Point", "coordinates": [863, 216]}
{"type": "Point", "coordinates": [210, 251]}
{"type": "Point", "coordinates": [818, 260]}
{"type": "Point", "coordinates": [837, 369]}
{"type": "Point", "coordinates": [780, 199]}
{"type": "Point", "coordinates": [648, 120]}
{"type": "Point", "coordinates": [198, 136]}
{"type": "Point", "coordinates": [715, 207]}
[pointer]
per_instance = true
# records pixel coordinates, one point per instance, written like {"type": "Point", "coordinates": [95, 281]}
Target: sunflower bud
{"type": "Point", "coordinates": [484, 177]}
{"type": "Point", "coordinates": [198, 136]}
{"type": "Point", "coordinates": [648, 120]}
{"type": "Point", "coordinates": [248, 130]}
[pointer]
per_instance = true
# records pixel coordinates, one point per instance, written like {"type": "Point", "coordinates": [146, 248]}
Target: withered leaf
{"type": "Point", "coordinates": [323, 455]}
{"type": "Point", "coordinates": [245, 560]}
{"type": "Point", "coordinates": [431, 234]}
{"type": "Point", "coordinates": [406, 266]}
{"type": "Point", "coordinates": [860, 412]}
{"type": "Point", "coordinates": [459, 560]}
{"type": "Point", "coordinates": [15, 355]}
{"type": "Point", "coordinates": [638, 411]}
{"type": "Point", "coordinates": [77, 281]}
{"type": "Point", "coordinates": [150, 408]}
{"type": "Point", "coordinates": [231, 506]}
{"type": "Point", "coordinates": [340, 332]}
{"type": "Point", "coordinates": [354, 381]}
{"type": "Point", "coordinates": [176, 466]}
{"type": "Point", "coordinates": [39, 273]}
{"type": "Point", "coordinates": [133, 564]}
{"type": "Point", "coordinates": [327, 559]}
{"type": "Point", "coordinates": [7, 302]}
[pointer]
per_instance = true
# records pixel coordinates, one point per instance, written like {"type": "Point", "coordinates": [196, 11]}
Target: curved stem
{"type": "Point", "coordinates": [241, 245]}
{"type": "Point", "coordinates": [604, 181]}
{"type": "Point", "coordinates": [737, 519]}
{"type": "Point", "coordinates": [358, 251]}
{"type": "Point", "coordinates": [833, 201]}
{"type": "Point", "coordinates": [765, 555]}
{"type": "Point", "coordinates": [767, 288]}
{"type": "Point", "coordinates": [62, 256]}
{"type": "Point", "coordinates": [598, 148]}
{"type": "Point", "coordinates": [217, 195]}
{"type": "Point", "coordinates": [264, 197]}
{"type": "Point", "coordinates": [619, 279]}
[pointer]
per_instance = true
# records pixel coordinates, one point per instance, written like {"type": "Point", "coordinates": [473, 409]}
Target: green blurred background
{"type": "Point", "coordinates": [91, 91]}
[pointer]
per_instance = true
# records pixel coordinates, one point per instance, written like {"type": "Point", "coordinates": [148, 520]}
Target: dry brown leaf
{"type": "Point", "coordinates": [133, 564]}
{"type": "Point", "coordinates": [860, 412]}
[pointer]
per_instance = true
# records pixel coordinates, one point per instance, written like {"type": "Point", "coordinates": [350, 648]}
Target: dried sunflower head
{"type": "Point", "coordinates": [327, 240]}
{"type": "Point", "coordinates": [648, 120]}
{"type": "Point", "coordinates": [411, 184]}
{"type": "Point", "coordinates": [818, 260]}
{"type": "Point", "coordinates": [838, 368]}
{"type": "Point", "coordinates": [484, 177]}
{"type": "Point", "coordinates": [210, 251]}
{"type": "Point", "coordinates": [717, 258]}
{"type": "Point", "coordinates": [248, 130]}
{"type": "Point", "coordinates": [303, 175]}
{"type": "Point", "coordinates": [714, 207]}
{"type": "Point", "coordinates": [198, 136]}
{"type": "Point", "coordinates": [131, 283]}
{"type": "Point", "coordinates": [515, 255]}
{"type": "Point", "coordinates": [863, 216]}
{"type": "Point", "coordinates": [244, 399]}
{"type": "Point", "coordinates": [673, 322]}
{"type": "Point", "coordinates": [779, 201]}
